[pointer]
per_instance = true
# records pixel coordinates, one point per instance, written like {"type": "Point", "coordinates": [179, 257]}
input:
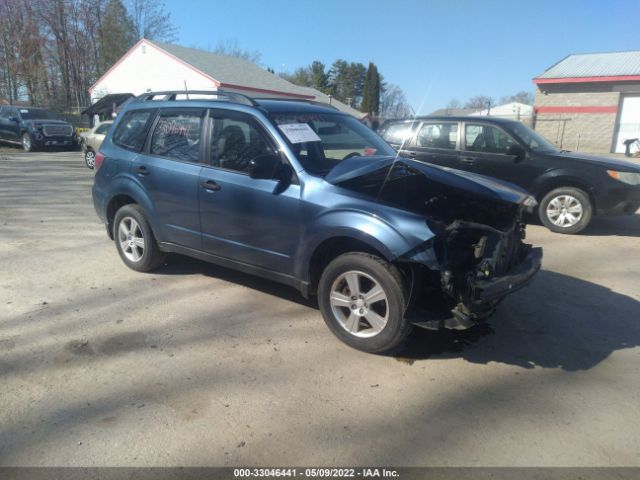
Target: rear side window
{"type": "Point", "coordinates": [131, 132]}
{"type": "Point", "coordinates": [177, 135]}
{"type": "Point", "coordinates": [398, 133]}
{"type": "Point", "coordinates": [438, 135]}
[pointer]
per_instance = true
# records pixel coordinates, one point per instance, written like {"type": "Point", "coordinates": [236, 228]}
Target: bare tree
{"type": "Point", "coordinates": [454, 103]}
{"type": "Point", "coordinates": [152, 21]}
{"type": "Point", "coordinates": [479, 102]}
{"type": "Point", "coordinates": [521, 97]}
{"type": "Point", "coordinates": [393, 102]}
{"type": "Point", "coordinates": [231, 48]}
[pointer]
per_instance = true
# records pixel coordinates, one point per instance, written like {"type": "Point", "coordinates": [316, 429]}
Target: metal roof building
{"type": "Point", "coordinates": [590, 101]}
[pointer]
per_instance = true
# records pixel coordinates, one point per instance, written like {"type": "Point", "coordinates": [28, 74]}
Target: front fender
{"type": "Point", "coordinates": [370, 229]}
{"type": "Point", "coordinates": [556, 177]}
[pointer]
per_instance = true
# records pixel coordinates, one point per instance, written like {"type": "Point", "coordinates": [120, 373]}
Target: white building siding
{"type": "Point", "coordinates": [161, 72]}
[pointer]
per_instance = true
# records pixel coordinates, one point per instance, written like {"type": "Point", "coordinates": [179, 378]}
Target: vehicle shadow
{"type": "Point", "coordinates": [556, 322]}
{"type": "Point", "coordinates": [622, 226]}
{"type": "Point", "coordinates": [182, 265]}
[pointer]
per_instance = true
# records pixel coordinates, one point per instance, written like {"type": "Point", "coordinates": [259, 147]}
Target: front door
{"type": "Point", "coordinates": [485, 151]}
{"type": "Point", "coordinates": [257, 222]}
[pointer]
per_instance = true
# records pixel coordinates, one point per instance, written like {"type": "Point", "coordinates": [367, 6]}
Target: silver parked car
{"type": "Point", "coordinates": [92, 140]}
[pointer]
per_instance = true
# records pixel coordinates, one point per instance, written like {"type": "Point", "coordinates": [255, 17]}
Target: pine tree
{"type": "Point", "coordinates": [371, 94]}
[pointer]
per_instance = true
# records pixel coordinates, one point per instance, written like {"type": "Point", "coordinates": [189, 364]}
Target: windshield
{"type": "Point", "coordinates": [532, 139]}
{"type": "Point", "coordinates": [36, 114]}
{"type": "Point", "coordinates": [321, 140]}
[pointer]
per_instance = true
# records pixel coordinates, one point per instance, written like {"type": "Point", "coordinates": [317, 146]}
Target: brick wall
{"type": "Point", "coordinates": [585, 131]}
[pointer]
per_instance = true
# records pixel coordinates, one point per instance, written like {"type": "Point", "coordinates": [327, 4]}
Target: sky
{"type": "Point", "coordinates": [433, 50]}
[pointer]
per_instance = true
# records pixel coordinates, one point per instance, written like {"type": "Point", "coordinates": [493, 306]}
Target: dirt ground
{"type": "Point", "coordinates": [198, 365]}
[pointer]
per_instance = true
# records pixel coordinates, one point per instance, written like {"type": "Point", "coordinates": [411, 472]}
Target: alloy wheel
{"type": "Point", "coordinates": [26, 142]}
{"type": "Point", "coordinates": [359, 303]}
{"type": "Point", "coordinates": [564, 211]}
{"type": "Point", "coordinates": [131, 239]}
{"type": "Point", "coordinates": [90, 158]}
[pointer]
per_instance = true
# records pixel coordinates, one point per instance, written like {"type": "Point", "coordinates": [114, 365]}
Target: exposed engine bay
{"type": "Point", "coordinates": [478, 247]}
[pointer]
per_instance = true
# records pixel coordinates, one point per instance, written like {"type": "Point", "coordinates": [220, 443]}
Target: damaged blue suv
{"type": "Point", "coordinates": [302, 194]}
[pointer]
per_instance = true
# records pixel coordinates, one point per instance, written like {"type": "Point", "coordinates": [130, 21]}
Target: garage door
{"type": "Point", "coordinates": [629, 126]}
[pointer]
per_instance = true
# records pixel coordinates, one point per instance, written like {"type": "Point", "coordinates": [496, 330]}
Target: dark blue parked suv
{"type": "Point", "coordinates": [305, 195]}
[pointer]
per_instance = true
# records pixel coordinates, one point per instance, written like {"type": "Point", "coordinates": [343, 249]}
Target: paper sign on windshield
{"type": "Point", "coordinates": [299, 132]}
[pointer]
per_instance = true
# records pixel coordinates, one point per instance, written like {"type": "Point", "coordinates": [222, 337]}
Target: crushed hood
{"type": "Point", "coordinates": [368, 168]}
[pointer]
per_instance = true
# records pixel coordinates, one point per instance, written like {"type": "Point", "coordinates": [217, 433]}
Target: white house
{"type": "Point", "coordinates": [155, 66]}
{"type": "Point", "coordinates": [514, 110]}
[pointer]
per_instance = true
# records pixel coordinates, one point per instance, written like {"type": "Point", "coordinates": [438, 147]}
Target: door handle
{"type": "Point", "coordinates": [142, 171]}
{"type": "Point", "coordinates": [468, 160]}
{"type": "Point", "coordinates": [210, 185]}
{"type": "Point", "coordinates": [411, 154]}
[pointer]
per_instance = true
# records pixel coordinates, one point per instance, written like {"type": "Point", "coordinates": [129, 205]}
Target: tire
{"type": "Point", "coordinates": [135, 241]}
{"type": "Point", "coordinates": [565, 210]}
{"type": "Point", "coordinates": [27, 142]}
{"type": "Point", "coordinates": [374, 327]}
{"type": "Point", "coordinates": [90, 158]}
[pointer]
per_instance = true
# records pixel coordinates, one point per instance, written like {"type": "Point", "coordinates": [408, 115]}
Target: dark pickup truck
{"type": "Point", "coordinates": [35, 128]}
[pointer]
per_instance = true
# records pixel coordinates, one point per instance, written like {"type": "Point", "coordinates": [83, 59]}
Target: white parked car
{"type": "Point", "coordinates": [92, 140]}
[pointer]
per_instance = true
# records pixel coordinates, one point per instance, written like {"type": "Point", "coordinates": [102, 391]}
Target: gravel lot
{"type": "Point", "coordinates": [198, 365]}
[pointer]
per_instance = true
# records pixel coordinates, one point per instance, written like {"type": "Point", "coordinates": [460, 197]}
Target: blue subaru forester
{"type": "Point", "coordinates": [302, 194]}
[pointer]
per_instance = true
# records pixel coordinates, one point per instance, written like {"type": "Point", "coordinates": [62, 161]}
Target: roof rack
{"type": "Point", "coordinates": [314, 102]}
{"type": "Point", "coordinates": [171, 95]}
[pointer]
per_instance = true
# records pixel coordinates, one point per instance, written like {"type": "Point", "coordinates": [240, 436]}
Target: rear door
{"type": "Point", "coordinates": [169, 170]}
{"type": "Point", "coordinates": [437, 142]}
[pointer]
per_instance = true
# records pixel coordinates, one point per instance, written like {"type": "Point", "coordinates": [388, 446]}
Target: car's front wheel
{"type": "Point", "coordinates": [565, 210]}
{"type": "Point", "coordinates": [27, 142]}
{"type": "Point", "coordinates": [90, 158]}
{"type": "Point", "coordinates": [362, 299]}
{"type": "Point", "coordinates": [135, 241]}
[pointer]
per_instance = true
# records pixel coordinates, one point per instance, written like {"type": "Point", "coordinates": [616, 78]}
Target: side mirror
{"type": "Point", "coordinates": [264, 167]}
{"type": "Point", "coordinates": [517, 151]}
{"type": "Point", "coordinates": [14, 119]}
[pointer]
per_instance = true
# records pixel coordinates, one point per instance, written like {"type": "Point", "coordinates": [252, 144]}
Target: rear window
{"type": "Point", "coordinates": [131, 132]}
{"type": "Point", "coordinates": [103, 129]}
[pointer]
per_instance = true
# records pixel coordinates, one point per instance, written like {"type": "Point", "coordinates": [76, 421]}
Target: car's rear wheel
{"type": "Point", "coordinates": [90, 158]}
{"type": "Point", "coordinates": [565, 210]}
{"type": "Point", "coordinates": [135, 241]}
{"type": "Point", "coordinates": [27, 143]}
{"type": "Point", "coordinates": [362, 299]}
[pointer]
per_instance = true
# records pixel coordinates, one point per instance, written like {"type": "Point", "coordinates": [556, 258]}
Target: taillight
{"type": "Point", "coordinates": [99, 160]}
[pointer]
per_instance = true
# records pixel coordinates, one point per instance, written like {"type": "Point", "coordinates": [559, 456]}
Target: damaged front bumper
{"type": "Point", "coordinates": [485, 291]}
{"type": "Point", "coordinates": [472, 290]}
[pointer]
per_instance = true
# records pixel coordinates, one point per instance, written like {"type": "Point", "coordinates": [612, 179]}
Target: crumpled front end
{"type": "Point", "coordinates": [479, 266]}
{"type": "Point", "coordinates": [479, 227]}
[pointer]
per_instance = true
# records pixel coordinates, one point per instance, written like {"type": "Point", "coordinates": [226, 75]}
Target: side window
{"type": "Point", "coordinates": [486, 138]}
{"type": "Point", "coordinates": [438, 135]}
{"type": "Point", "coordinates": [131, 132]}
{"type": "Point", "coordinates": [398, 133]}
{"type": "Point", "coordinates": [235, 142]}
{"type": "Point", "coordinates": [177, 135]}
{"type": "Point", "coordinates": [4, 112]}
{"type": "Point", "coordinates": [103, 129]}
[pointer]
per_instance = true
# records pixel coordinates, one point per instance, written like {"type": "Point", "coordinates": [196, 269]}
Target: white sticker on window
{"type": "Point", "coordinates": [299, 132]}
{"type": "Point", "coordinates": [24, 111]}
